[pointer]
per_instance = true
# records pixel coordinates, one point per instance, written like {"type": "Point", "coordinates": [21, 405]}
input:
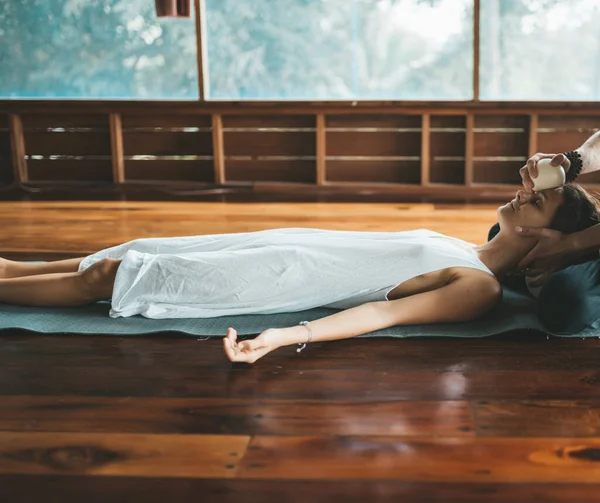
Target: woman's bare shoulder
{"type": "Point", "coordinates": [479, 277]}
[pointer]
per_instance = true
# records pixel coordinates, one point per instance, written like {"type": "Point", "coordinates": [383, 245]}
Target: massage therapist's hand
{"type": "Point", "coordinates": [553, 252]}
{"type": "Point", "coordinates": [250, 350]}
{"type": "Point", "coordinates": [530, 171]}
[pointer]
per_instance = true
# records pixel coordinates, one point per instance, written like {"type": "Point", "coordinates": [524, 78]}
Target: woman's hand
{"type": "Point", "coordinates": [554, 251]}
{"type": "Point", "coordinates": [530, 170]}
{"type": "Point", "coordinates": [250, 350]}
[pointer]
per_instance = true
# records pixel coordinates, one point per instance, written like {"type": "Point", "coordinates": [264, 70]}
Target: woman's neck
{"type": "Point", "coordinates": [503, 253]}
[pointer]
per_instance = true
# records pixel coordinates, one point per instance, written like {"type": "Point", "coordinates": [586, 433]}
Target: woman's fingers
{"type": "Point", "coordinates": [238, 352]}
{"type": "Point", "coordinates": [228, 349]}
{"type": "Point", "coordinates": [232, 336]}
{"type": "Point", "coordinates": [245, 351]}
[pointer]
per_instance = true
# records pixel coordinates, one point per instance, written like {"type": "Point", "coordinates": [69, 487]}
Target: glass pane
{"type": "Point", "coordinates": [540, 50]}
{"type": "Point", "coordinates": [95, 49]}
{"type": "Point", "coordinates": [340, 49]}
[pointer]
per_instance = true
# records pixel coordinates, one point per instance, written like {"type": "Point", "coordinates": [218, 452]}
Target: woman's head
{"type": "Point", "coordinates": [579, 210]}
{"type": "Point", "coordinates": [568, 209]}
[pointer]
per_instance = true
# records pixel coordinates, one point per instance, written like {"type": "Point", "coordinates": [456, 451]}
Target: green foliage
{"type": "Point", "coordinates": [335, 49]}
{"type": "Point", "coordinates": [302, 49]}
{"type": "Point", "coordinates": [95, 49]}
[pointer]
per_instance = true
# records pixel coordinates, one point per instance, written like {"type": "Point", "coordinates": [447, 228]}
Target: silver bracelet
{"type": "Point", "coordinates": [305, 323]}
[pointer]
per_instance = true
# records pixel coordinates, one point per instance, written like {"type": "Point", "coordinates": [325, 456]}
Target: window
{"type": "Point", "coordinates": [340, 49]}
{"type": "Point", "coordinates": [95, 49]}
{"type": "Point", "coordinates": [540, 50]}
{"type": "Point", "coordinates": [412, 50]}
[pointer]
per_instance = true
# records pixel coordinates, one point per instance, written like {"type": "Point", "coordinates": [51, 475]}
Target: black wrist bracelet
{"type": "Point", "coordinates": [576, 165]}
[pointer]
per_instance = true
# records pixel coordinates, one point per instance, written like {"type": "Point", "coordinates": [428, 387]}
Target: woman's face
{"type": "Point", "coordinates": [530, 209]}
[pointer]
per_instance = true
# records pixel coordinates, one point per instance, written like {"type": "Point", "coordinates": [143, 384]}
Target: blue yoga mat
{"type": "Point", "coordinates": [516, 311]}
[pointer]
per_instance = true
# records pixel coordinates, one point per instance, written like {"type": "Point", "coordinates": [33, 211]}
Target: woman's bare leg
{"type": "Point", "coordinates": [62, 289]}
{"type": "Point", "coordinates": [14, 269]}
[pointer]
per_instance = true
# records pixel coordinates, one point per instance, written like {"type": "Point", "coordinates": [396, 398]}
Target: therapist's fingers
{"type": "Point", "coordinates": [561, 160]}
{"type": "Point", "coordinates": [527, 181]}
{"type": "Point", "coordinates": [531, 164]}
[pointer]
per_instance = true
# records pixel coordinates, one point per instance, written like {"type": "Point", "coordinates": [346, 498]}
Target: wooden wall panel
{"type": "Point", "coordinates": [169, 170]}
{"type": "Point", "coordinates": [562, 133]}
{"type": "Point", "coordinates": [269, 121]}
{"type": "Point", "coordinates": [269, 136]}
{"type": "Point", "coordinates": [66, 170]}
{"type": "Point", "coordinates": [377, 144]}
{"type": "Point", "coordinates": [506, 172]}
{"type": "Point", "coordinates": [6, 167]}
{"type": "Point", "coordinates": [447, 144]}
{"type": "Point", "coordinates": [447, 172]}
{"type": "Point", "coordinates": [587, 124]}
{"type": "Point", "coordinates": [64, 120]}
{"type": "Point", "coordinates": [377, 137]}
{"type": "Point", "coordinates": [278, 144]}
{"type": "Point", "coordinates": [259, 143]}
{"type": "Point", "coordinates": [168, 135]}
{"type": "Point", "coordinates": [74, 143]}
{"type": "Point", "coordinates": [448, 122]}
{"type": "Point", "coordinates": [293, 171]}
{"type": "Point", "coordinates": [167, 143]}
{"type": "Point", "coordinates": [501, 147]}
{"type": "Point", "coordinates": [447, 149]}
{"type": "Point", "coordinates": [374, 171]}
{"type": "Point", "coordinates": [497, 135]}
{"type": "Point", "coordinates": [562, 141]}
{"type": "Point", "coordinates": [501, 121]}
{"type": "Point", "coordinates": [131, 121]}
{"type": "Point", "coordinates": [383, 120]}
{"type": "Point", "coordinates": [276, 148]}
{"type": "Point", "coordinates": [86, 136]}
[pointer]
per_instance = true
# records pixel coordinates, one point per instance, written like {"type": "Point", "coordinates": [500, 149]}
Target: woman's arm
{"type": "Point", "coordinates": [466, 297]}
{"type": "Point", "coordinates": [590, 153]}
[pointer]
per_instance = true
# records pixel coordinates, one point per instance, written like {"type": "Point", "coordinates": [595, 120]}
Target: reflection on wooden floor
{"type": "Point", "coordinates": [514, 417]}
{"type": "Point", "coordinates": [74, 226]}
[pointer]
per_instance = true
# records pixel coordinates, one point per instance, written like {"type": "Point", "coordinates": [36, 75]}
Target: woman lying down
{"type": "Point", "coordinates": [377, 279]}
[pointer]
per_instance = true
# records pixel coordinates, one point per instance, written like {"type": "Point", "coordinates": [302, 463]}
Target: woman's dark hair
{"type": "Point", "coordinates": [579, 210]}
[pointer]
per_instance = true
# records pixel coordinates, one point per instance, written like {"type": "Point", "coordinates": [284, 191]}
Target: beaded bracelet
{"type": "Point", "coordinates": [576, 165]}
{"type": "Point", "coordinates": [305, 323]}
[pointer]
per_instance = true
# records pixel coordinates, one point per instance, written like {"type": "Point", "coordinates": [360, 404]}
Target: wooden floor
{"type": "Point", "coordinates": [513, 418]}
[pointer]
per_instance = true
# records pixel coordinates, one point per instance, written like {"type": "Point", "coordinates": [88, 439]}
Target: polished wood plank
{"type": "Point", "coordinates": [537, 418]}
{"type": "Point", "coordinates": [67, 489]}
{"type": "Point", "coordinates": [91, 225]}
{"type": "Point", "coordinates": [423, 460]}
{"type": "Point", "coordinates": [203, 456]}
{"type": "Point", "coordinates": [515, 351]}
{"type": "Point", "coordinates": [239, 416]}
{"type": "Point", "coordinates": [502, 418]}
{"type": "Point", "coordinates": [255, 383]}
